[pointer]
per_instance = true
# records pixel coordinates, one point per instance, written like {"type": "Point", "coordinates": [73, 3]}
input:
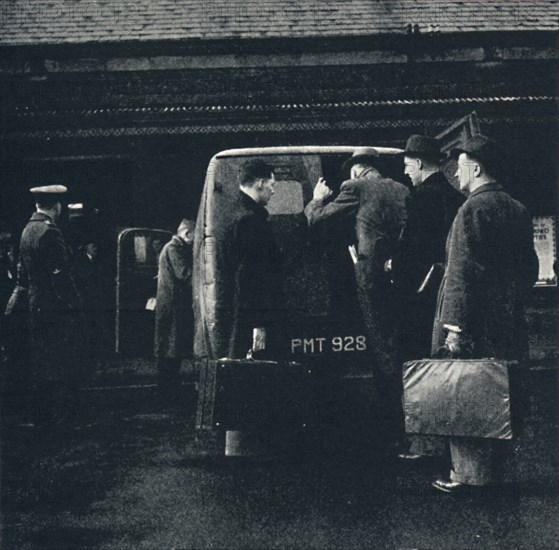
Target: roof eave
{"type": "Point", "coordinates": [265, 45]}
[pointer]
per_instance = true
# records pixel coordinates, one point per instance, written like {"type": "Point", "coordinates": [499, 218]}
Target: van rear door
{"type": "Point", "coordinates": [323, 317]}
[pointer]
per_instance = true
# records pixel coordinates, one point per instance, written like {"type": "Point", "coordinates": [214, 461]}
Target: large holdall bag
{"type": "Point", "coordinates": [462, 398]}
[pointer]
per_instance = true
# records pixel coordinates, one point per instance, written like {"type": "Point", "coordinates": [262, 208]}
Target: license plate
{"type": "Point", "coordinates": [336, 344]}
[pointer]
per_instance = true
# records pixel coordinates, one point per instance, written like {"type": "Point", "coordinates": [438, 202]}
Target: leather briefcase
{"type": "Point", "coordinates": [462, 398]}
{"type": "Point", "coordinates": [241, 394]}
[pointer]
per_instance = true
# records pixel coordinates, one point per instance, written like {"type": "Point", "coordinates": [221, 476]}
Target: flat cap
{"type": "Point", "coordinates": [49, 190]}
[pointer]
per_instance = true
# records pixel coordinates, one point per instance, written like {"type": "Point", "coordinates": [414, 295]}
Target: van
{"type": "Point", "coordinates": [317, 268]}
{"type": "Point", "coordinates": [323, 362]}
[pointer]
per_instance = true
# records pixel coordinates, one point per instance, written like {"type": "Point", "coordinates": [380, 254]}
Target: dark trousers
{"type": "Point", "coordinates": [379, 308]}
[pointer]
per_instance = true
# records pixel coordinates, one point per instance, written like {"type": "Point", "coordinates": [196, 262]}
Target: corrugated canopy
{"type": "Point", "coordinates": [27, 22]}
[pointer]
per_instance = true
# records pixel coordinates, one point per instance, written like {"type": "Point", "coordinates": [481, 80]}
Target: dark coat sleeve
{"type": "Point", "coordinates": [408, 265]}
{"type": "Point", "coordinates": [346, 204]}
{"type": "Point", "coordinates": [53, 249]}
{"type": "Point", "coordinates": [464, 269]}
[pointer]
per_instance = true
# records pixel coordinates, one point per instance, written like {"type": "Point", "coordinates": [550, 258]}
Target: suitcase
{"type": "Point", "coordinates": [461, 398]}
{"type": "Point", "coordinates": [242, 394]}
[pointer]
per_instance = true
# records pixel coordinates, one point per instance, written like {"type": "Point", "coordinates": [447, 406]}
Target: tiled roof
{"type": "Point", "coordinates": [79, 21]}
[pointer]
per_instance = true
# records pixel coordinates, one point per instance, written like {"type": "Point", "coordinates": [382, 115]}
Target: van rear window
{"type": "Point", "coordinates": [295, 176]}
{"type": "Point", "coordinates": [287, 199]}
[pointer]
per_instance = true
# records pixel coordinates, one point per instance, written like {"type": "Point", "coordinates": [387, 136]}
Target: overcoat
{"type": "Point", "coordinates": [378, 205]}
{"type": "Point", "coordinates": [45, 258]}
{"type": "Point", "coordinates": [257, 294]}
{"type": "Point", "coordinates": [431, 208]}
{"type": "Point", "coordinates": [174, 320]}
{"type": "Point", "coordinates": [491, 265]}
{"type": "Point", "coordinates": [55, 306]}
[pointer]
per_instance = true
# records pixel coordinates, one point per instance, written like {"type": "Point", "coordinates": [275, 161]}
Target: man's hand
{"type": "Point", "coordinates": [258, 338]}
{"type": "Point", "coordinates": [455, 342]}
{"type": "Point", "coordinates": [457, 345]}
{"type": "Point", "coordinates": [258, 343]}
{"type": "Point", "coordinates": [321, 191]}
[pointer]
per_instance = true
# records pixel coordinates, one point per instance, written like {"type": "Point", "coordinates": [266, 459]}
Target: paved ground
{"type": "Point", "coordinates": [121, 472]}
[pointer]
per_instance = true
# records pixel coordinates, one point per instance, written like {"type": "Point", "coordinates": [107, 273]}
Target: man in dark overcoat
{"type": "Point", "coordinates": [378, 206]}
{"type": "Point", "coordinates": [419, 260]}
{"type": "Point", "coordinates": [490, 267]}
{"type": "Point", "coordinates": [174, 319]}
{"type": "Point", "coordinates": [254, 259]}
{"type": "Point", "coordinates": [55, 306]}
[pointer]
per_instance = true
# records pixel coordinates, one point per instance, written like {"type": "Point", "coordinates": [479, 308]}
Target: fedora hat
{"type": "Point", "coordinates": [479, 147]}
{"type": "Point", "coordinates": [422, 146]}
{"type": "Point", "coordinates": [485, 150]}
{"type": "Point", "coordinates": [361, 154]}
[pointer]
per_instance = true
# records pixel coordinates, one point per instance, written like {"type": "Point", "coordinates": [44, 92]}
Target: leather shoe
{"type": "Point", "coordinates": [452, 487]}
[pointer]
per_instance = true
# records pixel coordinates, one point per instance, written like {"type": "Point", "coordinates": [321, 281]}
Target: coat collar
{"type": "Point", "coordinates": [433, 180]}
{"type": "Point", "coordinates": [435, 177]}
{"type": "Point", "coordinates": [493, 186]}
{"type": "Point", "coordinates": [251, 204]}
{"type": "Point", "coordinates": [41, 217]}
{"type": "Point", "coordinates": [177, 240]}
{"type": "Point", "coordinates": [370, 174]}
